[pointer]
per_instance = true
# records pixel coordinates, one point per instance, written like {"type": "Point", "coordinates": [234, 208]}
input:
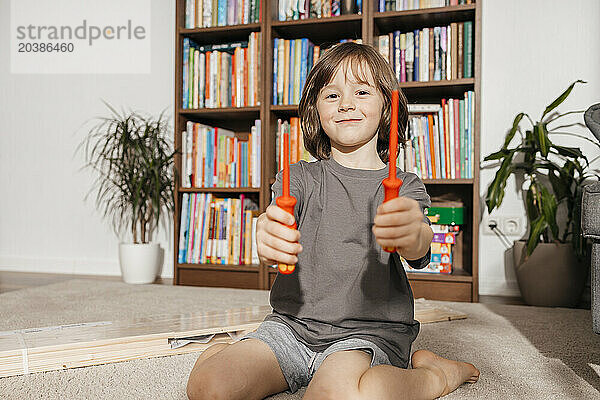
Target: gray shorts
{"type": "Point", "coordinates": [299, 363]}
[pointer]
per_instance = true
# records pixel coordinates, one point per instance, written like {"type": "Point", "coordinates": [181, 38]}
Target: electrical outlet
{"type": "Point", "coordinates": [512, 225]}
{"type": "Point", "coordinates": [490, 220]}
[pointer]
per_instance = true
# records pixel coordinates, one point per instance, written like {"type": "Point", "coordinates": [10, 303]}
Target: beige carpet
{"type": "Point", "coordinates": [522, 352]}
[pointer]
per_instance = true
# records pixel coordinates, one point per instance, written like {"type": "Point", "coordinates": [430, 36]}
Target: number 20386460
{"type": "Point", "coordinates": [35, 47]}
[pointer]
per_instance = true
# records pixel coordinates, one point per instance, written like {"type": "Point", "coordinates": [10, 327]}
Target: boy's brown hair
{"type": "Point", "coordinates": [350, 55]}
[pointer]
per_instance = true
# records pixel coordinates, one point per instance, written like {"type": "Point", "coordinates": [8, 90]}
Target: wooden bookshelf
{"type": "Point", "coordinates": [462, 284]}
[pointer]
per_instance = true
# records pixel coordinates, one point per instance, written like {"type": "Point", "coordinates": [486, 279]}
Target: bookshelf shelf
{"type": "Point", "coordinates": [317, 21]}
{"type": "Point", "coordinates": [410, 19]}
{"type": "Point", "coordinates": [222, 267]}
{"type": "Point", "coordinates": [342, 27]}
{"type": "Point", "coordinates": [448, 181]}
{"type": "Point", "coordinates": [456, 276]}
{"type": "Point", "coordinates": [465, 83]}
{"type": "Point", "coordinates": [240, 111]}
{"type": "Point", "coordinates": [462, 284]}
{"type": "Point", "coordinates": [218, 34]}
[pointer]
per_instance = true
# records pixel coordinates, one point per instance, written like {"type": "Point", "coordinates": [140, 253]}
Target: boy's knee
{"type": "Point", "coordinates": [331, 392]}
{"type": "Point", "coordinates": [205, 386]}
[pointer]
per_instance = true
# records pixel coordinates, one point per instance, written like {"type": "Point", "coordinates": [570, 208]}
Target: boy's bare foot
{"type": "Point", "coordinates": [455, 373]}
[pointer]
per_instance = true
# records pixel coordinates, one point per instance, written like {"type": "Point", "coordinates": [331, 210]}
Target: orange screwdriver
{"type": "Point", "coordinates": [392, 183]}
{"type": "Point", "coordinates": [286, 202]}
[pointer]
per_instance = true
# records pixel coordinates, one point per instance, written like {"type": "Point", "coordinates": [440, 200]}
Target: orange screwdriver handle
{"type": "Point", "coordinates": [287, 203]}
{"type": "Point", "coordinates": [392, 184]}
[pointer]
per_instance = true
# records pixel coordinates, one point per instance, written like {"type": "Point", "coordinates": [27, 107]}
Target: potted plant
{"type": "Point", "coordinates": [550, 266]}
{"type": "Point", "coordinates": [134, 160]}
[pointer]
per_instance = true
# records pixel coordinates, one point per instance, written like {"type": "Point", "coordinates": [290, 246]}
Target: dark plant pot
{"type": "Point", "coordinates": [551, 277]}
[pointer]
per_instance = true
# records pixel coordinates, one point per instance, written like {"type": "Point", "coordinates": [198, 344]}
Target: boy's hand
{"type": "Point", "coordinates": [399, 223]}
{"type": "Point", "coordinates": [276, 242]}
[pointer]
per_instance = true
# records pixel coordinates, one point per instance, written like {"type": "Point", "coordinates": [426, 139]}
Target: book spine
{"type": "Point", "coordinates": [456, 139]}
{"type": "Point", "coordinates": [303, 66]}
{"type": "Point", "coordinates": [230, 10]}
{"type": "Point", "coordinates": [416, 76]}
{"type": "Point", "coordinates": [315, 9]}
{"type": "Point", "coordinates": [275, 68]}
{"type": "Point", "coordinates": [185, 209]}
{"type": "Point", "coordinates": [454, 49]}
{"type": "Point", "coordinates": [214, 18]}
{"type": "Point", "coordinates": [443, 53]}
{"type": "Point", "coordinates": [258, 152]}
{"type": "Point", "coordinates": [186, 57]}
{"type": "Point", "coordinates": [431, 145]}
{"type": "Point", "coordinates": [297, 67]}
{"type": "Point", "coordinates": [290, 76]}
{"type": "Point", "coordinates": [207, 13]}
{"type": "Point", "coordinates": [448, 143]}
{"type": "Point", "coordinates": [430, 53]}
{"type": "Point", "coordinates": [254, 258]}
{"type": "Point", "coordinates": [436, 144]}
{"type": "Point", "coordinates": [442, 154]}
{"type": "Point", "coordinates": [396, 64]}
{"type": "Point", "coordinates": [463, 158]}
{"type": "Point", "coordinates": [201, 221]}
{"type": "Point", "coordinates": [452, 138]}
{"type": "Point", "coordinates": [437, 70]}
{"type": "Point", "coordinates": [184, 151]}
{"type": "Point", "coordinates": [286, 71]}
{"type": "Point", "coordinates": [209, 233]}
{"type": "Point", "coordinates": [460, 51]}
{"type": "Point", "coordinates": [196, 81]}
{"type": "Point", "coordinates": [410, 56]}
{"type": "Point", "coordinates": [468, 49]}
{"type": "Point", "coordinates": [191, 233]}
{"type": "Point", "coordinates": [403, 57]}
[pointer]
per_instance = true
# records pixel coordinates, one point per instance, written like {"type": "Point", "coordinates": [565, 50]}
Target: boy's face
{"type": "Point", "coordinates": [350, 111]}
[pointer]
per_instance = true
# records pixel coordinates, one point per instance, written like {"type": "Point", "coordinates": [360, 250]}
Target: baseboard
{"type": "Point", "coordinates": [496, 287]}
{"type": "Point", "coordinates": [62, 265]}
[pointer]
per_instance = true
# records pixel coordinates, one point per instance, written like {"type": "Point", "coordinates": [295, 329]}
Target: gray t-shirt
{"type": "Point", "coordinates": [345, 285]}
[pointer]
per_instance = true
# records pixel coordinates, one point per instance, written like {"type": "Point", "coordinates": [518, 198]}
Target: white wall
{"type": "Point", "coordinates": [531, 52]}
{"type": "Point", "coordinates": [45, 225]}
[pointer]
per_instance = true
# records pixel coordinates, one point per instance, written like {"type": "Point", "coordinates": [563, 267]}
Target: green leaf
{"type": "Point", "coordinates": [542, 139]}
{"type": "Point", "coordinates": [495, 192]}
{"type": "Point", "coordinates": [548, 206]}
{"type": "Point", "coordinates": [560, 185]}
{"type": "Point", "coordinates": [497, 155]}
{"type": "Point", "coordinates": [530, 205]}
{"type": "Point", "coordinates": [511, 133]}
{"type": "Point", "coordinates": [569, 151]}
{"type": "Point", "coordinates": [537, 227]}
{"type": "Point", "coordinates": [560, 99]}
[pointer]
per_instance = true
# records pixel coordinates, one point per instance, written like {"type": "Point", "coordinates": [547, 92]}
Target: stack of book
{"type": "Point", "coordinates": [446, 219]}
{"type": "Point", "coordinates": [216, 157]}
{"type": "Point", "coordinates": [403, 5]}
{"type": "Point", "coordinates": [292, 61]}
{"type": "Point", "coordinates": [208, 13]}
{"type": "Point", "coordinates": [217, 231]}
{"type": "Point", "coordinates": [221, 75]}
{"type": "Point", "coordinates": [290, 10]}
{"type": "Point", "coordinates": [440, 139]}
{"type": "Point", "coordinates": [430, 54]}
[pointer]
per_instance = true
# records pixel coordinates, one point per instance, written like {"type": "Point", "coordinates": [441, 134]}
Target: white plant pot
{"type": "Point", "coordinates": [140, 263]}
